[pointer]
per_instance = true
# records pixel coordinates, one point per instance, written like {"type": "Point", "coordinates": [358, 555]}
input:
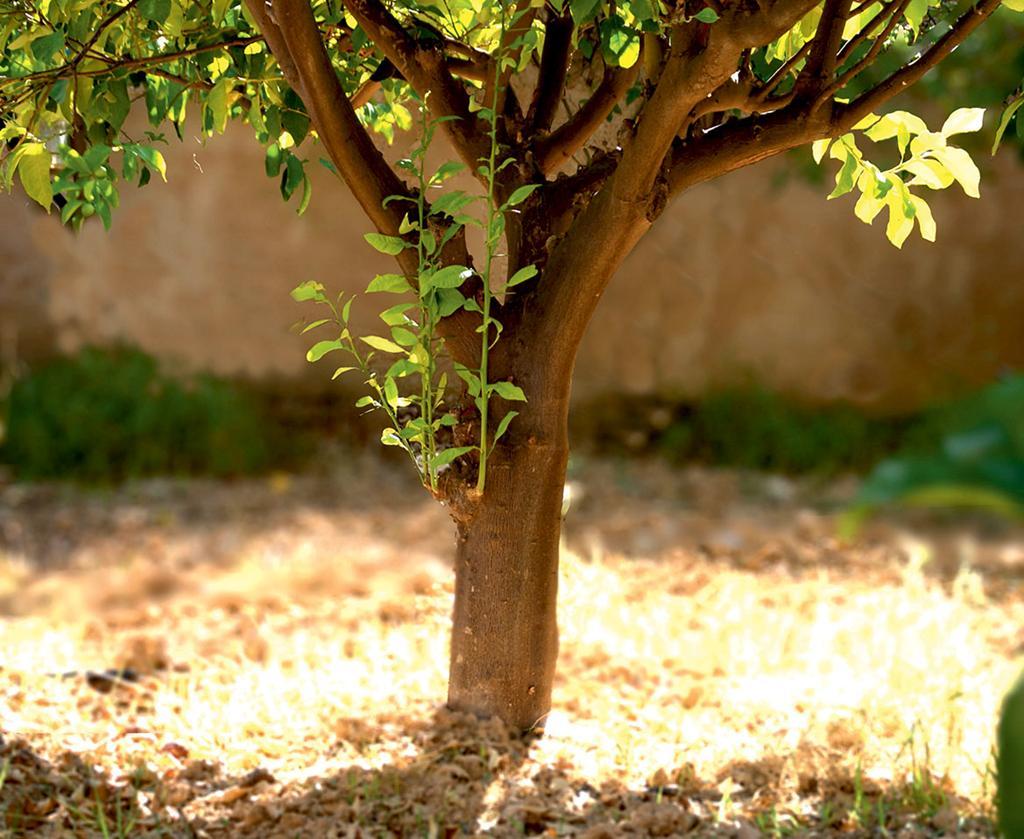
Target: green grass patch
{"type": "Point", "coordinates": [104, 416]}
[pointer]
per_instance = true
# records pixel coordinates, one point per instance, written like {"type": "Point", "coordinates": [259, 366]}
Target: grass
{"type": "Point", "coordinates": [856, 693]}
{"type": "Point", "coordinates": [104, 416]}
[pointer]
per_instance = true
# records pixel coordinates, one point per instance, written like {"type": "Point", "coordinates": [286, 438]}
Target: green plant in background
{"type": "Point", "coordinates": [108, 415]}
{"type": "Point", "coordinates": [967, 453]}
{"type": "Point", "coordinates": [754, 428]}
{"type": "Point", "coordinates": [1010, 764]}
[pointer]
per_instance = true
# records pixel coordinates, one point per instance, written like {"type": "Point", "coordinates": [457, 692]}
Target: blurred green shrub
{"type": "Point", "coordinates": [108, 415]}
{"type": "Point", "coordinates": [967, 453]}
{"type": "Point", "coordinates": [1010, 764]}
{"type": "Point", "coordinates": [753, 428]}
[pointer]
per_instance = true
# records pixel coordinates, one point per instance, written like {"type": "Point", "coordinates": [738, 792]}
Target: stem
{"type": "Point", "coordinates": [426, 318]}
{"type": "Point", "coordinates": [492, 214]}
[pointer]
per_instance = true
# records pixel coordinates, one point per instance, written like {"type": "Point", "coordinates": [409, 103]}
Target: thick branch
{"type": "Point", "coordinates": [701, 59]}
{"type": "Point", "coordinates": [560, 145]}
{"type": "Point", "coordinates": [426, 69]}
{"type": "Point", "coordinates": [850, 115]}
{"type": "Point", "coordinates": [298, 46]}
{"type": "Point", "coordinates": [821, 62]}
{"type": "Point", "coordinates": [873, 53]}
{"type": "Point", "coordinates": [554, 66]}
{"type": "Point", "coordinates": [742, 143]}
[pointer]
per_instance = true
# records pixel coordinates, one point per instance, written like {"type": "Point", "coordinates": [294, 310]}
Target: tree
{"type": "Point", "coordinates": [694, 88]}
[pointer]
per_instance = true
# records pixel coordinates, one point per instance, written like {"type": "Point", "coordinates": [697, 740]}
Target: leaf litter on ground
{"type": "Point", "coordinates": [728, 667]}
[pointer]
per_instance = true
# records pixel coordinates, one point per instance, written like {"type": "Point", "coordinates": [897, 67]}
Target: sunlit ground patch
{"type": "Point", "coordinates": [291, 691]}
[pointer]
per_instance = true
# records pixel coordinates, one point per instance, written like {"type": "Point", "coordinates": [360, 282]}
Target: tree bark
{"type": "Point", "coordinates": [504, 629]}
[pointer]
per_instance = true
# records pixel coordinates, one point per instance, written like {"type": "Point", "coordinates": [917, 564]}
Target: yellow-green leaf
{"type": "Point", "coordinates": [34, 173]}
{"type": "Point", "coordinates": [925, 220]}
{"type": "Point", "coordinates": [382, 344]}
{"type": "Point", "coordinates": [960, 166]}
{"type": "Point", "coordinates": [963, 120]}
{"type": "Point", "coordinates": [901, 222]}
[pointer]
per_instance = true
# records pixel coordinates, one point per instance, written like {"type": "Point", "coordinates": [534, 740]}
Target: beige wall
{"type": "Point", "coordinates": [739, 277]}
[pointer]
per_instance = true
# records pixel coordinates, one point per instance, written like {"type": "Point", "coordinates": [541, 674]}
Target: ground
{"type": "Point", "coordinates": [728, 667]}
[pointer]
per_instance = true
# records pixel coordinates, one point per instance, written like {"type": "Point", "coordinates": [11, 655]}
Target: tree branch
{"type": "Point", "coordinates": [742, 143]}
{"type": "Point", "coordinates": [298, 46]}
{"type": "Point", "coordinates": [878, 45]}
{"type": "Point", "coordinates": [867, 31]}
{"type": "Point", "coordinates": [780, 75]}
{"type": "Point", "coordinates": [821, 62]}
{"type": "Point", "coordinates": [554, 149]}
{"type": "Point", "coordinates": [850, 115]}
{"type": "Point", "coordinates": [554, 66]}
{"type": "Point", "coordinates": [426, 69]}
{"type": "Point", "coordinates": [275, 40]}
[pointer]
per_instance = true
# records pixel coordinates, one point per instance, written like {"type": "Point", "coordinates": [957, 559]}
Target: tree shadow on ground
{"type": "Point", "coordinates": [465, 777]}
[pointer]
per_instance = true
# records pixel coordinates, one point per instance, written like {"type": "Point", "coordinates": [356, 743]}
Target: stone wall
{"type": "Point", "coordinates": [745, 277]}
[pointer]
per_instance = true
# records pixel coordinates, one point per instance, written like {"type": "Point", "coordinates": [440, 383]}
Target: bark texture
{"type": "Point", "coordinates": [505, 632]}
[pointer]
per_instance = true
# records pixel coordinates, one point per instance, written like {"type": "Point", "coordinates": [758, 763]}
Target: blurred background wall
{"type": "Point", "coordinates": [754, 277]}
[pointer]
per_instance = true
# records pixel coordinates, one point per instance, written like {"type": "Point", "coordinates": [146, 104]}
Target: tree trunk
{"type": "Point", "coordinates": [504, 632]}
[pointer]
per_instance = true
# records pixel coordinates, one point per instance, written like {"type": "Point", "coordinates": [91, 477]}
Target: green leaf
{"type": "Point", "coordinates": [449, 301]}
{"type": "Point", "coordinates": [153, 158]}
{"type": "Point", "coordinates": [314, 325]}
{"type": "Point", "coordinates": [503, 425]}
{"type": "Point", "coordinates": [391, 392]}
{"type": "Point", "coordinates": [34, 174]}
{"type": "Point", "coordinates": [706, 15]}
{"type": "Point", "coordinates": [1011, 109]}
{"type": "Point", "coordinates": [471, 379]}
{"type": "Point", "coordinates": [963, 120]}
{"type": "Point", "coordinates": [522, 275]}
{"type": "Point", "coordinates": [446, 456]}
{"type": "Point", "coordinates": [390, 437]}
{"type": "Point", "coordinates": [404, 337]}
{"type": "Point", "coordinates": [452, 202]}
{"type": "Point", "coordinates": [272, 162]}
{"type": "Point", "coordinates": [451, 276]}
{"type": "Point", "coordinates": [155, 10]}
{"type": "Point", "coordinates": [507, 390]}
{"type": "Point", "coordinates": [846, 177]}
{"type": "Point", "coordinates": [391, 245]}
{"type": "Point", "coordinates": [584, 10]}
{"type": "Point", "coordinates": [341, 370]}
{"type": "Point", "coordinates": [446, 171]}
{"type": "Point", "coordinates": [217, 105]}
{"type": "Point", "coordinates": [395, 316]}
{"type": "Point", "coordinates": [44, 48]}
{"type": "Point", "coordinates": [308, 290]}
{"type": "Point", "coordinates": [364, 401]}
{"type": "Point", "coordinates": [389, 284]}
{"type": "Point", "coordinates": [219, 8]}
{"type": "Point", "coordinates": [321, 348]}
{"type": "Point", "coordinates": [916, 10]}
{"type": "Point", "coordinates": [520, 195]}
{"type": "Point", "coordinates": [382, 344]}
